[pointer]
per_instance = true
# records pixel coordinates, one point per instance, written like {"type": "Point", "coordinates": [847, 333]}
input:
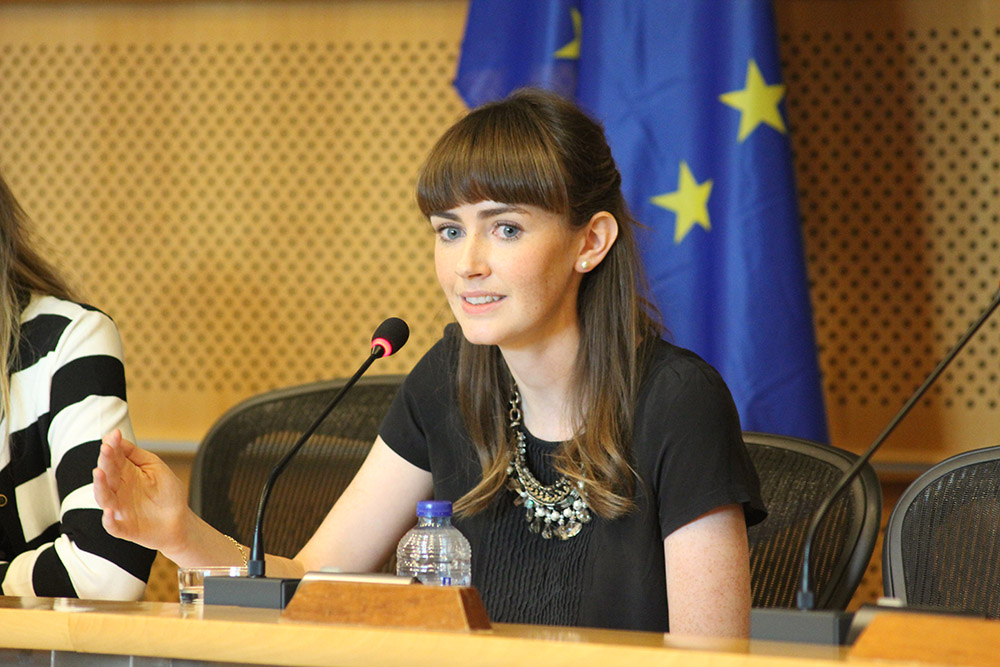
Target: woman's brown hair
{"type": "Point", "coordinates": [539, 149]}
{"type": "Point", "coordinates": [22, 271]}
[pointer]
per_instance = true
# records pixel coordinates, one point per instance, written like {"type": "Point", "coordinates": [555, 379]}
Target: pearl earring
{"type": "Point", "coordinates": [584, 265]}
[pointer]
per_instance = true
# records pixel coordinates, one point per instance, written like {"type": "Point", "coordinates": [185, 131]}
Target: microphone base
{"type": "Point", "coordinates": [261, 592]}
{"type": "Point", "coordinates": [828, 627]}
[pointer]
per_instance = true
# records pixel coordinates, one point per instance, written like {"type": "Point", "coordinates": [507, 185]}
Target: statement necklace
{"type": "Point", "coordinates": [558, 510]}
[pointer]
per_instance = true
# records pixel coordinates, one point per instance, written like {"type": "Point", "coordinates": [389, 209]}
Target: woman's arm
{"type": "Point", "coordinates": [143, 501]}
{"type": "Point", "coordinates": [368, 520]}
{"type": "Point", "coordinates": [71, 369]}
{"type": "Point", "coordinates": [708, 575]}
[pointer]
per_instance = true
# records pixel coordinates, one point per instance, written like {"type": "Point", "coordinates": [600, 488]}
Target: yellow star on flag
{"type": "Point", "coordinates": [757, 102]}
{"type": "Point", "coordinates": [572, 50]}
{"type": "Point", "coordinates": [689, 201]}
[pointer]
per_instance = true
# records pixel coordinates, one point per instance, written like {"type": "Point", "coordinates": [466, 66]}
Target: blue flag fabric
{"type": "Point", "coordinates": [691, 98]}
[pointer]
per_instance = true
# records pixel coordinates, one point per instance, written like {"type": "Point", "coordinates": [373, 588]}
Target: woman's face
{"type": "Point", "coordinates": [508, 272]}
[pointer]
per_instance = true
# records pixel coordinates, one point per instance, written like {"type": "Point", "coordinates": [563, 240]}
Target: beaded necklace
{"type": "Point", "coordinates": [559, 510]}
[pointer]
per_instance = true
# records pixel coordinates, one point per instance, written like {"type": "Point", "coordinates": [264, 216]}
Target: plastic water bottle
{"type": "Point", "coordinates": [434, 551]}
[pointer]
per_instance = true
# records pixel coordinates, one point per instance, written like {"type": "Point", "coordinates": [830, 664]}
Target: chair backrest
{"type": "Point", "coordinates": [239, 451]}
{"type": "Point", "coordinates": [942, 542]}
{"type": "Point", "coordinates": [795, 476]}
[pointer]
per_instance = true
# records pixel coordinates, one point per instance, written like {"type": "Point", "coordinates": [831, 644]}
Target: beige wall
{"type": "Point", "coordinates": [232, 182]}
{"type": "Point", "coordinates": [895, 115]}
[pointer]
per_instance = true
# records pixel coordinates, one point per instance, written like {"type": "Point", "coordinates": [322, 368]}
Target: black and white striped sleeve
{"type": "Point", "coordinates": [75, 556]}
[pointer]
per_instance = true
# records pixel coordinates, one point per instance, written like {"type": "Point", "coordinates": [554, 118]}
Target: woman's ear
{"type": "Point", "coordinates": [598, 237]}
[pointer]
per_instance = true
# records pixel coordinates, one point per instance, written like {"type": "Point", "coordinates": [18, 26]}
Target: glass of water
{"type": "Point", "coordinates": [191, 580]}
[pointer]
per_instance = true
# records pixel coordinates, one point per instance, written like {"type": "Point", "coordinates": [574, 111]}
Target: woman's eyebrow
{"type": "Point", "coordinates": [500, 209]}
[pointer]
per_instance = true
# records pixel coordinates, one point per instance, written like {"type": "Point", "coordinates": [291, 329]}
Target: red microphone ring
{"type": "Point", "coordinates": [384, 344]}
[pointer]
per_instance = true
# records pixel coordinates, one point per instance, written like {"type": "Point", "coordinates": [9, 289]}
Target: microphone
{"type": "Point", "coordinates": [806, 599]}
{"type": "Point", "coordinates": [388, 338]}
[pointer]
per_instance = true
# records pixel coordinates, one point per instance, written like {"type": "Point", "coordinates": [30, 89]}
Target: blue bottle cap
{"type": "Point", "coordinates": [434, 508]}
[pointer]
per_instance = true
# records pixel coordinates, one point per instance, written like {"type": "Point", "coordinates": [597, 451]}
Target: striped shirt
{"type": "Point", "coordinates": [67, 391]}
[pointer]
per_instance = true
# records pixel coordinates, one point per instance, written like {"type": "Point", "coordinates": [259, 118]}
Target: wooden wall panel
{"type": "Point", "coordinates": [233, 183]}
{"type": "Point", "coordinates": [894, 110]}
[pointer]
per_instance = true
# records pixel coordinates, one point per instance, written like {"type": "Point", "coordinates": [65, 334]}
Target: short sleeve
{"type": "Point", "coordinates": [688, 425]}
{"type": "Point", "coordinates": [421, 403]}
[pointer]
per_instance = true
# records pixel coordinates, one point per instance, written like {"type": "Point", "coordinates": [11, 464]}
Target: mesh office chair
{"type": "Point", "coordinates": [942, 542]}
{"type": "Point", "coordinates": [795, 476]}
{"type": "Point", "coordinates": [239, 451]}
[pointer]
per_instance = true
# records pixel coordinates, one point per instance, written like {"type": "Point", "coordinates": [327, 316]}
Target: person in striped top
{"type": "Point", "coordinates": [62, 386]}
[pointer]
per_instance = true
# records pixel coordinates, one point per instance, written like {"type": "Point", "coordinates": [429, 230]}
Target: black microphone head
{"type": "Point", "coordinates": [390, 336]}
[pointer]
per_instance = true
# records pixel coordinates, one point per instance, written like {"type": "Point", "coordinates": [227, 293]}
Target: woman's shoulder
{"type": "Point", "coordinates": [438, 362]}
{"type": "Point", "coordinates": [670, 364]}
{"type": "Point", "coordinates": [445, 349]}
{"type": "Point", "coordinates": [40, 305]}
{"type": "Point", "coordinates": [678, 382]}
{"type": "Point", "coordinates": [684, 403]}
{"type": "Point", "coordinates": [68, 325]}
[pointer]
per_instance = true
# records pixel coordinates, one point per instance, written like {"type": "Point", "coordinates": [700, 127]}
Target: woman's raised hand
{"type": "Point", "coordinates": [142, 499]}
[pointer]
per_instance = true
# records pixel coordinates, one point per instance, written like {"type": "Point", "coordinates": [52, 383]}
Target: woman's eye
{"type": "Point", "coordinates": [449, 233]}
{"type": "Point", "coordinates": [509, 231]}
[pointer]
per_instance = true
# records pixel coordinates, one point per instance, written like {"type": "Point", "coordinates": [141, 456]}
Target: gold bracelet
{"type": "Point", "coordinates": [243, 554]}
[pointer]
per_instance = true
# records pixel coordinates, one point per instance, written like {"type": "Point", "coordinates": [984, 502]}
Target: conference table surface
{"type": "Point", "coordinates": [263, 636]}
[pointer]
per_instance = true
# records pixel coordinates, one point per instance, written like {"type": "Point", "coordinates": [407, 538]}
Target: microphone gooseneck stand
{"type": "Point", "coordinates": [806, 598]}
{"type": "Point", "coordinates": [806, 624]}
{"type": "Point", "coordinates": [257, 590]}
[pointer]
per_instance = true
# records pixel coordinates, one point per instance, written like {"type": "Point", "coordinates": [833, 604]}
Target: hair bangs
{"type": "Point", "coordinates": [493, 154]}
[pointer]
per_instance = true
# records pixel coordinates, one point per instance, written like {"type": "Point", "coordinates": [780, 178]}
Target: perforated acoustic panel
{"type": "Point", "coordinates": [895, 116]}
{"type": "Point", "coordinates": [233, 183]}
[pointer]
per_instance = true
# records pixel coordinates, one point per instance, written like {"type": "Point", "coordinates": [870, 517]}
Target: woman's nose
{"type": "Point", "coordinates": [473, 258]}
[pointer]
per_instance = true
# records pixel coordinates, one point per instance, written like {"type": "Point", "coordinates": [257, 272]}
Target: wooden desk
{"type": "Point", "coordinates": [259, 636]}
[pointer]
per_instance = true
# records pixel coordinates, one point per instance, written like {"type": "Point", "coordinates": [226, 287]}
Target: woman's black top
{"type": "Point", "coordinates": [688, 452]}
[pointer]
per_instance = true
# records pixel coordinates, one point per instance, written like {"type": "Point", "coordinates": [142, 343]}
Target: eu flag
{"type": "Point", "coordinates": [691, 97]}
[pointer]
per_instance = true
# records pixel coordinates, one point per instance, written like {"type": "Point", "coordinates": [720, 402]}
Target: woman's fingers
{"type": "Point", "coordinates": [110, 470]}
